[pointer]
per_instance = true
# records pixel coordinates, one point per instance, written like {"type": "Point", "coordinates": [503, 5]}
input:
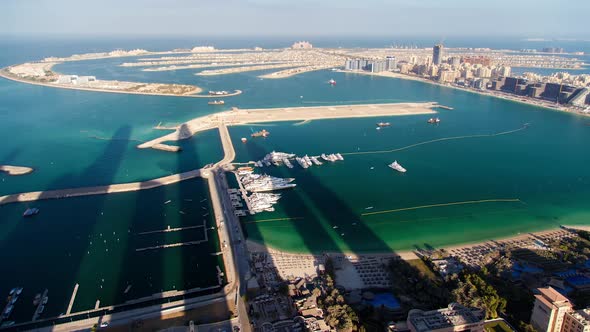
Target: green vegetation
{"type": "Point", "coordinates": [417, 286]}
{"type": "Point", "coordinates": [497, 326]}
{"type": "Point", "coordinates": [473, 291]}
{"type": "Point", "coordinates": [419, 265]}
{"type": "Point", "coordinates": [338, 314]}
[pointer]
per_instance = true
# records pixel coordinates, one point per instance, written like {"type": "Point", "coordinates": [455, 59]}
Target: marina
{"type": "Point", "coordinates": [461, 160]}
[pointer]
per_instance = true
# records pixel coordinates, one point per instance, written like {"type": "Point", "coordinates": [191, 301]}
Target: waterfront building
{"type": "Point", "coordinates": [349, 64]}
{"type": "Point", "coordinates": [378, 66]}
{"type": "Point", "coordinates": [413, 59]}
{"type": "Point", "coordinates": [453, 318]}
{"type": "Point", "coordinates": [405, 68]}
{"type": "Point", "coordinates": [549, 310]}
{"type": "Point", "coordinates": [448, 76]}
{"type": "Point", "coordinates": [577, 321]}
{"type": "Point", "coordinates": [391, 63]}
{"type": "Point", "coordinates": [302, 45]}
{"type": "Point", "coordinates": [437, 51]}
{"type": "Point", "coordinates": [484, 72]}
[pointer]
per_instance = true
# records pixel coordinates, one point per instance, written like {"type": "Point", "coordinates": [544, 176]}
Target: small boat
{"type": "Point", "coordinates": [37, 299]}
{"type": "Point", "coordinates": [19, 290]}
{"type": "Point", "coordinates": [433, 120]}
{"type": "Point", "coordinates": [332, 82]}
{"type": "Point", "coordinates": [368, 208]}
{"type": "Point", "coordinates": [384, 124]}
{"type": "Point", "coordinates": [168, 201]}
{"type": "Point", "coordinates": [30, 212]}
{"type": "Point", "coordinates": [216, 102]}
{"type": "Point", "coordinates": [244, 140]}
{"type": "Point", "coordinates": [262, 133]}
{"type": "Point", "coordinates": [396, 166]}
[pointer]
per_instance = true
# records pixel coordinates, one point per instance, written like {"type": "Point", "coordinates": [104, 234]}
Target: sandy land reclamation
{"type": "Point", "coordinates": [245, 116]}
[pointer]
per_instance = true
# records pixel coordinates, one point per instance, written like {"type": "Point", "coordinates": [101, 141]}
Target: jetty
{"type": "Point", "coordinates": [245, 116]}
{"type": "Point", "coordinates": [72, 299]}
{"type": "Point", "coordinates": [99, 190]}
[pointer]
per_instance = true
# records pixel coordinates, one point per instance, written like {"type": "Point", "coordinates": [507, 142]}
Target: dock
{"type": "Point", "coordinates": [444, 107]}
{"type": "Point", "coordinates": [72, 299]}
{"type": "Point", "coordinates": [40, 306]}
{"type": "Point", "coordinates": [173, 245]}
{"type": "Point", "coordinates": [167, 230]}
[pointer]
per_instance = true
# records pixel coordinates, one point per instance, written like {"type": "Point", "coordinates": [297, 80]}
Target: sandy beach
{"type": "Point", "coordinates": [15, 170]}
{"type": "Point", "coordinates": [254, 246]}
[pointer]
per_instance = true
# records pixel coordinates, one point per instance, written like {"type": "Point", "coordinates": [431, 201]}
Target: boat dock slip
{"type": "Point", "coordinates": [173, 245]}
{"type": "Point", "coordinates": [97, 304]}
{"type": "Point", "coordinates": [72, 299]}
{"type": "Point", "coordinates": [245, 116]}
{"type": "Point", "coordinates": [171, 229]}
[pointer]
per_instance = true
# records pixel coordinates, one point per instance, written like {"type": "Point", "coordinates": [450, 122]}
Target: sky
{"type": "Point", "coordinates": [434, 18]}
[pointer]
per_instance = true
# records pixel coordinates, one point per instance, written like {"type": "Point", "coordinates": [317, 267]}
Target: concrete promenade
{"type": "Point", "coordinates": [245, 116]}
{"type": "Point", "coordinates": [99, 190]}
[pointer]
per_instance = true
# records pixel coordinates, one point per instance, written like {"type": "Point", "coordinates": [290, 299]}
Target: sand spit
{"type": "Point", "coordinates": [15, 170]}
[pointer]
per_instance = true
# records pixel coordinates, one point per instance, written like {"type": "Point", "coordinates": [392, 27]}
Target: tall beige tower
{"type": "Point", "coordinates": [549, 310]}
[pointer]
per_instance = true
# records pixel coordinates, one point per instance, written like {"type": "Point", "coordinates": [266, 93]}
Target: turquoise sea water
{"type": "Point", "coordinates": [78, 138]}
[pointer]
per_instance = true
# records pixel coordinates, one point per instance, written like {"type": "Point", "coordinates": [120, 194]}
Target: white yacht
{"type": "Point", "coordinates": [396, 166]}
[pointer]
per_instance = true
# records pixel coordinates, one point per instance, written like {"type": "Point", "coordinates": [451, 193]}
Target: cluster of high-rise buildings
{"type": "Point", "coordinates": [372, 65]}
{"type": "Point", "coordinates": [479, 72]}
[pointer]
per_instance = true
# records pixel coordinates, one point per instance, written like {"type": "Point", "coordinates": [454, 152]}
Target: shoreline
{"type": "Point", "coordinates": [254, 246]}
{"type": "Point", "coordinates": [4, 74]}
{"type": "Point", "coordinates": [489, 93]}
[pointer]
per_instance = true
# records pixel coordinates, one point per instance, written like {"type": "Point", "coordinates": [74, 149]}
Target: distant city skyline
{"type": "Point", "coordinates": [441, 19]}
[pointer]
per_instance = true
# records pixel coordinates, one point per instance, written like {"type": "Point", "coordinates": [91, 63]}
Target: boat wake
{"type": "Point", "coordinates": [438, 140]}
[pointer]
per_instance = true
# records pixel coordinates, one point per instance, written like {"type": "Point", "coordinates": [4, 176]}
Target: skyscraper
{"type": "Point", "coordinates": [437, 51]}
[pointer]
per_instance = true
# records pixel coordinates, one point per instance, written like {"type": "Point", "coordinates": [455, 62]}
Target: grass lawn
{"type": "Point", "coordinates": [497, 326]}
{"type": "Point", "coordinates": [419, 265]}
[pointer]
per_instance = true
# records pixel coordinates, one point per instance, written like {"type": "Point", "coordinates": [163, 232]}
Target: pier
{"type": "Point", "coordinates": [99, 190]}
{"type": "Point", "coordinates": [72, 299]}
{"type": "Point", "coordinates": [171, 229]}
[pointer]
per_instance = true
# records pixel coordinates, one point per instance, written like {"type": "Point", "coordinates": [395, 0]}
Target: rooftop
{"type": "Point", "coordinates": [550, 297]}
{"type": "Point", "coordinates": [454, 315]}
